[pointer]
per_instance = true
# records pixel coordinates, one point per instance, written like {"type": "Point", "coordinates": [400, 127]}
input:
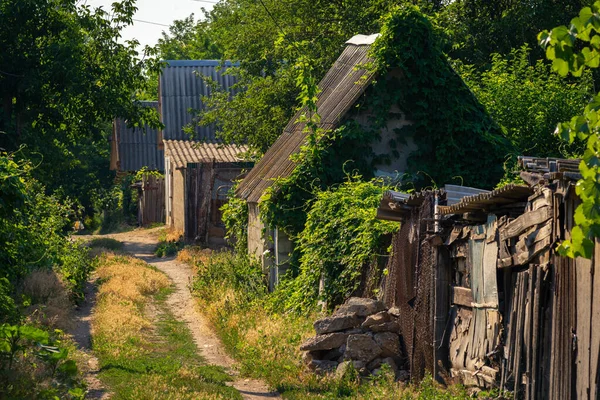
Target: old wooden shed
{"type": "Point", "coordinates": [484, 298]}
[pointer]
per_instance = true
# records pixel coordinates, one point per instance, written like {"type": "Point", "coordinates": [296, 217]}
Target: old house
{"type": "Point", "coordinates": [345, 92]}
{"type": "Point", "coordinates": [199, 170]}
{"type": "Point", "coordinates": [131, 150]}
{"type": "Point", "coordinates": [482, 295]}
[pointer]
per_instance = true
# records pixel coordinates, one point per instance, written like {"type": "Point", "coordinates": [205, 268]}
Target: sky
{"type": "Point", "coordinates": [157, 16]}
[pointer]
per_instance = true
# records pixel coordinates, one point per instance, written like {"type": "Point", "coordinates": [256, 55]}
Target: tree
{"type": "Point", "coordinates": [528, 100]}
{"type": "Point", "coordinates": [65, 74]}
{"type": "Point", "coordinates": [476, 29]}
{"type": "Point", "coordinates": [188, 40]}
{"type": "Point", "coordinates": [572, 50]}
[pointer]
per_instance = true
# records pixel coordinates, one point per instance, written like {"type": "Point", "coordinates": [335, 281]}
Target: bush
{"type": "Point", "coordinates": [167, 249]}
{"type": "Point", "coordinates": [34, 364]}
{"type": "Point", "coordinates": [341, 238]}
{"type": "Point", "coordinates": [33, 233]}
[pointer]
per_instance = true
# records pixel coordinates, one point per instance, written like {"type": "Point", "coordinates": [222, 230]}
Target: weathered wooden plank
{"type": "Point", "coordinates": [489, 265]}
{"type": "Point", "coordinates": [536, 339]}
{"type": "Point", "coordinates": [583, 325]}
{"type": "Point", "coordinates": [525, 221]}
{"type": "Point", "coordinates": [542, 198]}
{"type": "Point", "coordinates": [462, 296]}
{"type": "Point", "coordinates": [527, 331]}
{"type": "Point", "coordinates": [595, 325]}
{"type": "Point", "coordinates": [532, 251]}
{"type": "Point", "coordinates": [517, 370]}
{"type": "Point", "coordinates": [476, 249]}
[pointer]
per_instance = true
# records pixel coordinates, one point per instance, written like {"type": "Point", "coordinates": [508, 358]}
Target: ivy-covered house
{"type": "Point", "coordinates": [391, 106]}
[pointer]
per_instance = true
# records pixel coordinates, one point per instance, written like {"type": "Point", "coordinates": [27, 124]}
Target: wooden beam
{"type": "Point", "coordinates": [525, 221]}
{"type": "Point", "coordinates": [462, 296]}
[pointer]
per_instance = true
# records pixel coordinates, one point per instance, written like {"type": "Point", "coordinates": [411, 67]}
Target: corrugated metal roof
{"type": "Point", "coordinates": [455, 193]}
{"type": "Point", "coordinates": [537, 164]}
{"type": "Point", "coordinates": [508, 194]}
{"type": "Point", "coordinates": [138, 147]}
{"type": "Point", "coordinates": [182, 152]}
{"type": "Point", "coordinates": [341, 87]}
{"type": "Point", "coordinates": [394, 204]}
{"type": "Point", "coordinates": [181, 89]}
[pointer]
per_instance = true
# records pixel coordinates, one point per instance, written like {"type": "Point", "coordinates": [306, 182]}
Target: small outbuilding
{"type": "Point", "coordinates": [199, 168]}
{"type": "Point", "coordinates": [344, 100]}
{"type": "Point", "coordinates": [133, 149]}
{"type": "Point", "coordinates": [482, 295]}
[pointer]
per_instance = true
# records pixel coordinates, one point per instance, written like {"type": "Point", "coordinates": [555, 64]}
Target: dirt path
{"type": "Point", "coordinates": [82, 335]}
{"type": "Point", "coordinates": [141, 244]}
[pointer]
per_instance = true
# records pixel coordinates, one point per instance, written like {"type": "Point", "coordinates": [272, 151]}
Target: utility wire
{"type": "Point", "coordinates": [206, 1]}
{"type": "Point", "coordinates": [150, 22]}
{"type": "Point", "coordinates": [271, 15]}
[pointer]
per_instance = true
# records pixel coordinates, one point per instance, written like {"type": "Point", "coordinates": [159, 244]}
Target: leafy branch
{"type": "Point", "coordinates": [562, 46]}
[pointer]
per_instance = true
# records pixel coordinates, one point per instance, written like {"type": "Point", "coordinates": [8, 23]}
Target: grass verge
{"type": "Point", "coordinates": [106, 243]}
{"type": "Point", "coordinates": [144, 351]}
{"type": "Point", "coordinates": [265, 342]}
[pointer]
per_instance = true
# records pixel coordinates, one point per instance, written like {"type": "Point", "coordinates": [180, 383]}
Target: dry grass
{"type": "Point", "coordinates": [144, 351]}
{"type": "Point", "coordinates": [119, 313]}
{"type": "Point", "coordinates": [193, 255]}
{"type": "Point", "coordinates": [50, 304]}
{"type": "Point", "coordinates": [170, 235]}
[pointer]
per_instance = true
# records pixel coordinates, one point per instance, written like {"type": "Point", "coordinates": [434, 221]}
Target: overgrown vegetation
{"type": "Point", "coordinates": [527, 101]}
{"type": "Point", "coordinates": [42, 273]}
{"type": "Point", "coordinates": [235, 218]}
{"type": "Point", "coordinates": [341, 241]}
{"type": "Point", "coordinates": [169, 243]}
{"type": "Point", "coordinates": [144, 350]}
{"type": "Point", "coordinates": [232, 292]}
{"type": "Point", "coordinates": [35, 364]}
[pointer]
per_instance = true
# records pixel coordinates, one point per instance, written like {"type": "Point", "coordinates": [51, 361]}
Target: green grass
{"type": "Point", "coordinates": [107, 243]}
{"type": "Point", "coordinates": [160, 362]}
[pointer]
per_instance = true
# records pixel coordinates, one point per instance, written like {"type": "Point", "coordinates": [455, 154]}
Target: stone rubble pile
{"type": "Point", "coordinates": [360, 332]}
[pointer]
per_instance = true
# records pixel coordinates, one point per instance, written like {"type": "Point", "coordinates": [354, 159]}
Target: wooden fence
{"type": "Point", "coordinates": [501, 308]}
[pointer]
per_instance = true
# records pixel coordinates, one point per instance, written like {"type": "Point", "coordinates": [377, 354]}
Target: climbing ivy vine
{"type": "Point", "coordinates": [457, 140]}
{"type": "Point", "coordinates": [342, 236]}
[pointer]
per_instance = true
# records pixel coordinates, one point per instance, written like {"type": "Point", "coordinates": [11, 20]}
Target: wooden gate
{"type": "Point", "coordinates": [151, 200]}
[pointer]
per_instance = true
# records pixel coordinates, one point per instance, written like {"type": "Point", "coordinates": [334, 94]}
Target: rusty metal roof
{"type": "Point", "coordinates": [182, 152]}
{"type": "Point", "coordinates": [341, 87]}
{"type": "Point", "coordinates": [394, 204]}
{"type": "Point", "coordinates": [181, 89]}
{"type": "Point", "coordinates": [138, 147]}
{"type": "Point", "coordinates": [544, 165]}
{"type": "Point", "coordinates": [511, 193]}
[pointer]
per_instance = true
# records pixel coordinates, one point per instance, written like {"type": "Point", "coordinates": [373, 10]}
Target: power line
{"type": "Point", "coordinates": [206, 1]}
{"type": "Point", "coordinates": [271, 15]}
{"type": "Point", "coordinates": [150, 22]}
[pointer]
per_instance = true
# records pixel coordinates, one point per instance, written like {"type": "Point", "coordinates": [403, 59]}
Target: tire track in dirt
{"type": "Point", "coordinates": [141, 244]}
